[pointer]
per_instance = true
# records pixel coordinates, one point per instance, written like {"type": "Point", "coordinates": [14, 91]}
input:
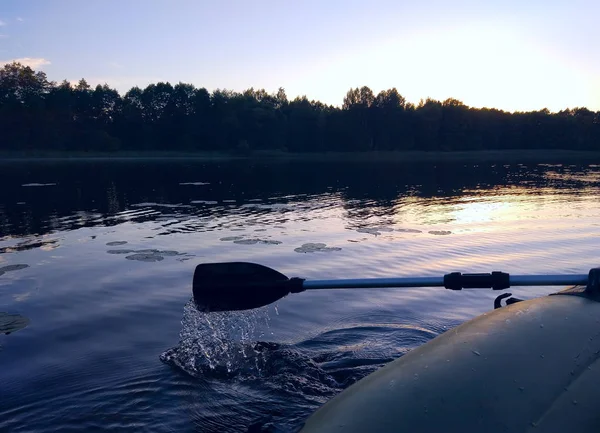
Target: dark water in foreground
{"type": "Point", "coordinates": [113, 343]}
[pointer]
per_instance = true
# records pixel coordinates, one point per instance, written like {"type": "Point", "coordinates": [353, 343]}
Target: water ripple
{"type": "Point", "coordinates": [114, 343]}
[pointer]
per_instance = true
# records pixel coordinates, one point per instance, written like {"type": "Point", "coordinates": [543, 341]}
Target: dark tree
{"type": "Point", "coordinates": [36, 114]}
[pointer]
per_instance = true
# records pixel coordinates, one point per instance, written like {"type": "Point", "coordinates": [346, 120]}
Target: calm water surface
{"type": "Point", "coordinates": [110, 248]}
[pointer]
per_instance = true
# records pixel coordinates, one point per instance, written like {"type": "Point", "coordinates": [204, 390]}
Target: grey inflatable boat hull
{"type": "Point", "coordinates": [532, 366]}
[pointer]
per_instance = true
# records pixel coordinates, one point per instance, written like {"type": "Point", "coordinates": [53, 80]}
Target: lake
{"type": "Point", "coordinates": [98, 257]}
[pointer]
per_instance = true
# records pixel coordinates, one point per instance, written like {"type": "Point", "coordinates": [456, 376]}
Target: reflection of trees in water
{"type": "Point", "coordinates": [105, 194]}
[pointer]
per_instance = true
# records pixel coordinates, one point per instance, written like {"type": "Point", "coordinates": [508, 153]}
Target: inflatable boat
{"type": "Point", "coordinates": [530, 366]}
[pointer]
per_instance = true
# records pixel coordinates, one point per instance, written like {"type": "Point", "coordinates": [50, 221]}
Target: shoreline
{"type": "Point", "coordinates": [512, 155]}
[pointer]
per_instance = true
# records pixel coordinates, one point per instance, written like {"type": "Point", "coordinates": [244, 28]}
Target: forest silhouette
{"type": "Point", "coordinates": [40, 115]}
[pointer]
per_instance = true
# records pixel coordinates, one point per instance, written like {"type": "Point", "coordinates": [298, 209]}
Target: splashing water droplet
{"type": "Point", "coordinates": [218, 342]}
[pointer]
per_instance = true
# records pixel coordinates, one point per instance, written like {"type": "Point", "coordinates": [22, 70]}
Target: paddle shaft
{"type": "Point", "coordinates": [231, 286]}
{"type": "Point", "coordinates": [514, 280]}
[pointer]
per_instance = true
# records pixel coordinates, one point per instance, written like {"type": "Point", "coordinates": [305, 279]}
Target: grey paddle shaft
{"type": "Point", "coordinates": [515, 280]}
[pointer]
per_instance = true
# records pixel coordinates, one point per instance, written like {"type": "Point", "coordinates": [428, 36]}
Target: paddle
{"type": "Point", "coordinates": [242, 286]}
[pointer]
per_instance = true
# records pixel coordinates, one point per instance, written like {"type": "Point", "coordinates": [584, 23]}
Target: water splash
{"type": "Point", "coordinates": [220, 343]}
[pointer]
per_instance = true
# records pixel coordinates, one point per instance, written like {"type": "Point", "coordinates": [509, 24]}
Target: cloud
{"type": "Point", "coordinates": [2, 23]}
{"type": "Point", "coordinates": [115, 65]}
{"type": "Point", "coordinates": [20, 19]}
{"type": "Point", "coordinates": [3, 36]}
{"type": "Point", "coordinates": [32, 62]}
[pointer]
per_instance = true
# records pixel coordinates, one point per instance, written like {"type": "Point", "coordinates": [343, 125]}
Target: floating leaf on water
{"type": "Point", "coordinates": [120, 251]}
{"type": "Point", "coordinates": [440, 232]}
{"type": "Point", "coordinates": [231, 238]}
{"type": "Point", "coordinates": [116, 243]}
{"type": "Point", "coordinates": [145, 257]}
{"type": "Point", "coordinates": [229, 201]}
{"type": "Point", "coordinates": [246, 241]}
{"type": "Point", "coordinates": [183, 259]}
{"type": "Point", "coordinates": [384, 229]}
{"type": "Point", "coordinates": [194, 183]}
{"type": "Point", "coordinates": [372, 231]}
{"type": "Point", "coordinates": [1, 273]}
{"type": "Point", "coordinates": [328, 249]}
{"type": "Point", "coordinates": [10, 268]}
{"type": "Point", "coordinates": [38, 184]}
{"type": "Point", "coordinates": [260, 230]}
{"type": "Point", "coordinates": [409, 231]}
{"type": "Point", "coordinates": [256, 241]}
{"type": "Point", "coordinates": [21, 202]}
{"type": "Point", "coordinates": [204, 202]}
{"type": "Point", "coordinates": [168, 253]}
{"type": "Point", "coordinates": [12, 322]}
{"type": "Point", "coordinates": [315, 247]}
{"type": "Point", "coordinates": [148, 251]}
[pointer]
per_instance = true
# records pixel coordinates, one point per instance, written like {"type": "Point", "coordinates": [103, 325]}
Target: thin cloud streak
{"type": "Point", "coordinates": [32, 62]}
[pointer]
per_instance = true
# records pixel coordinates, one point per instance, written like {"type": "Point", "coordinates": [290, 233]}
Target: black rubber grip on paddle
{"type": "Point", "coordinates": [496, 281]}
{"type": "Point", "coordinates": [295, 285]}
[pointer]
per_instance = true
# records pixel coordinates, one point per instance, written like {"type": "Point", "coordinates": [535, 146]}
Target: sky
{"type": "Point", "coordinates": [506, 54]}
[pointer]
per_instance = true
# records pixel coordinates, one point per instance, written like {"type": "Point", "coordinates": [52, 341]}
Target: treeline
{"type": "Point", "coordinates": [36, 114]}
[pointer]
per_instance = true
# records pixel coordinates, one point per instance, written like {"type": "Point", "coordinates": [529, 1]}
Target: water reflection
{"type": "Point", "coordinates": [107, 249]}
{"type": "Point", "coordinates": [189, 197]}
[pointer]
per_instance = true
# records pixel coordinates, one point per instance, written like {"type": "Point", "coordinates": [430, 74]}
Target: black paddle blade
{"type": "Point", "coordinates": [239, 286]}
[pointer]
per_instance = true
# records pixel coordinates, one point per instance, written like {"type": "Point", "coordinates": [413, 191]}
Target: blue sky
{"type": "Point", "coordinates": [513, 55]}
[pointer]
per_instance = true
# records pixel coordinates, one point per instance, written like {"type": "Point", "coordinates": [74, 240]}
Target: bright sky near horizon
{"type": "Point", "coordinates": [507, 54]}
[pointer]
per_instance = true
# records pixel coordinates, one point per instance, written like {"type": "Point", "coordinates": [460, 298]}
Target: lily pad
{"type": "Point", "coordinates": [372, 231]}
{"type": "Point", "coordinates": [12, 322]}
{"type": "Point", "coordinates": [440, 232]}
{"type": "Point", "coordinates": [194, 183]}
{"type": "Point", "coordinates": [116, 243]}
{"type": "Point", "coordinates": [315, 247]}
{"type": "Point", "coordinates": [10, 268]}
{"type": "Point", "coordinates": [183, 259]}
{"type": "Point", "coordinates": [38, 184]}
{"type": "Point", "coordinates": [168, 253]}
{"type": "Point", "coordinates": [231, 238]}
{"type": "Point", "coordinates": [409, 231]}
{"type": "Point", "coordinates": [141, 257]}
{"type": "Point", "coordinates": [120, 251]}
{"type": "Point", "coordinates": [246, 241]}
{"type": "Point", "coordinates": [270, 242]}
{"type": "Point", "coordinates": [204, 202]}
